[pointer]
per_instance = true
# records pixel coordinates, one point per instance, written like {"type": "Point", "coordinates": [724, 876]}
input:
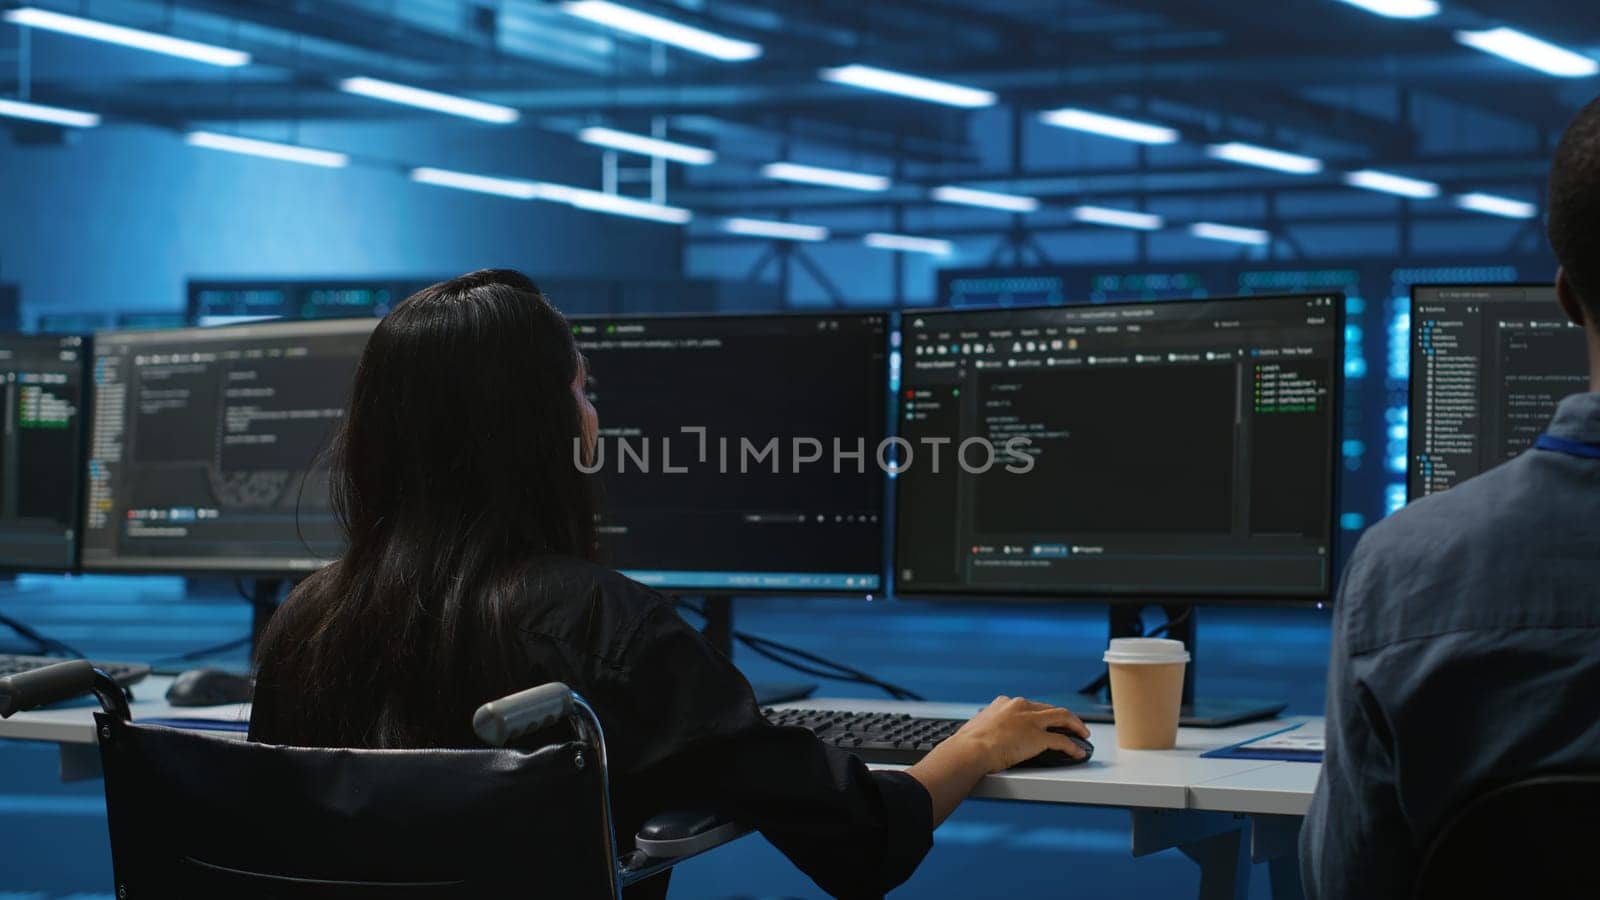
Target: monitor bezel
{"type": "Point", "coordinates": [190, 565]}
{"type": "Point", "coordinates": [85, 421]}
{"type": "Point", "coordinates": [885, 583]}
{"type": "Point", "coordinates": [1311, 600]}
{"type": "Point", "coordinates": [1412, 448]}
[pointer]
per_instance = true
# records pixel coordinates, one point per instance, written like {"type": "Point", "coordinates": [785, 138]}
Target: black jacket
{"type": "Point", "coordinates": [683, 730]}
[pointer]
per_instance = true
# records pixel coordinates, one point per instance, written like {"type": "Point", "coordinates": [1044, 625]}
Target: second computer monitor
{"type": "Point", "coordinates": [1178, 449]}
{"type": "Point", "coordinates": [738, 453]}
{"type": "Point", "coordinates": [1489, 363]}
{"type": "Point", "coordinates": [204, 451]}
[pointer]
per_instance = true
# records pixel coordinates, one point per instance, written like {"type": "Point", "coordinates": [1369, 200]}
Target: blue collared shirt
{"type": "Point", "coordinates": [1466, 653]}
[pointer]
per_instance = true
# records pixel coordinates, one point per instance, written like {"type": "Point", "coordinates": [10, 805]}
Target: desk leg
{"type": "Point", "coordinates": [80, 762]}
{"type": "Point", "coordinates": [1275, 840]}
{"type": "Point", "coordinates": [1213, 840]}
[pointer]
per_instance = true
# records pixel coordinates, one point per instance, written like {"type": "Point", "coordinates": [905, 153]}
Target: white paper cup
{"type": "Point", "coordinates": [1146, 691]}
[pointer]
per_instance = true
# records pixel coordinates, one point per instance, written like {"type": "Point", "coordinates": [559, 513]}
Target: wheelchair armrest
{"type": "Point", "coordinates": [671, 838]}
{"type": "Point", "coordinates": [676, 835]}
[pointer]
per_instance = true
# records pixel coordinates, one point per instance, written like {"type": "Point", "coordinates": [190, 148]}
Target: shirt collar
{"type": "Point", "coordinates": [1577, 419]}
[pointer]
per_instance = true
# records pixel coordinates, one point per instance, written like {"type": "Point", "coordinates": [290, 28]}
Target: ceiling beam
{"type": "Point", "coordinates": [1465, 172]}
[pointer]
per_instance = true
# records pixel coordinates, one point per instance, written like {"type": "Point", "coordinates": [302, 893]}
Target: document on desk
{"type": "Point", "coordinates": [1297, 743]}
{"type": "Point", "coordinates": [228, 717]}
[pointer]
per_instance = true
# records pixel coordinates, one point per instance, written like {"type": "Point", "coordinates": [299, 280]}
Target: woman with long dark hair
{"type": "Point", "coordinates": [469, 575]}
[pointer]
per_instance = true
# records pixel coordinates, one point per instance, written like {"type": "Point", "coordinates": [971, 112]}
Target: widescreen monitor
{"type": "Point", "coordinates": [205, 450]}
{"type": "Point", "coordinates": [1489, 363]}
{"type": "Point", "coordinates": [1159, 451]}
{"type": "Point", "coordinates": [738, 453]}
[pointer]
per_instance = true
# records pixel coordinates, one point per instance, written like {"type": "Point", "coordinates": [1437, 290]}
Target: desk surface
{"type": "Point", "coordinates": [1280, 789]}
{"type": "Point", "coordinates": [1159, 779]}
{"type": "Point", "coordinates": [1149, 779]}
{"type": "Point", "coordinates": [75, 725]}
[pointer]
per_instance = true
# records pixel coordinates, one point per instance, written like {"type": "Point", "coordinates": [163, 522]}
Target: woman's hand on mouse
{"type": "Point", "coordinates": [1008, 731]}
{"type": "Point", "coordinates": [1012, 730]}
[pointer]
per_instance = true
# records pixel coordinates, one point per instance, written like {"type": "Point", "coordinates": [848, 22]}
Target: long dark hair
{"type": "Point", "coordinates": [453, 469]}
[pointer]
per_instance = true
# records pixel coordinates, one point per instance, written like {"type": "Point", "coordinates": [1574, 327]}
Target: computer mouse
{"type": "Point", "coordinates": [209, 687]}
{"type": "Point", "coordinates": [1054, 758]}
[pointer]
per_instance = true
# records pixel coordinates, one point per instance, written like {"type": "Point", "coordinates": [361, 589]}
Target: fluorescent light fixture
{"type": "Point", "coordinates": [991, 199]}
{"type": "Point", "coordinates": [1373, 180]}
{"type": "Point", "coordinates": [839, 178]}
{"type": "Point", "coordinates": [1527, 50]}
{"type": "Point", "coordinates": [917, 88]}
{"type": "Point", "coordinates": [55, 115]}
{"type": "Point", "coordinates": [667, 31]}
{"type": "Point", "coordinates": [614, 204]}
{"type": "Point", "coordinates": [1232, 234]}
{"type": "Point", "coordinates": [483, 184]}
{"type": "Point", "coordinates": [1118, 218]}
{"type": "Point", "coordinates": [424, 99]}
{"type": "Point", "coordinates": [31, 17]}
{"type": "Point", "coordinates": [1265, 158]}
{"type": "Point", "coordinates": [647, 146]}
{"type": "Point", "coordinates": [767, 228]}
{"type": "Point", "coordinates": [1397, 9]}
{"type": "Point", "coordinates": [1110, 126]}
{"type": "Point", "coordinates": [270, 149]}
{"type": "Point", "coordinates": [906, 243]}
{"type": "Point", "coordinates": [1497, 206]}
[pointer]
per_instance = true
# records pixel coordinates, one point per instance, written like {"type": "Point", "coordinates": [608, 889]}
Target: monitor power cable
{"type": "Point", "coordinates": [203, 652]}
{"type": "Point", "coordinates": [47, 646]}
{"type": "Point", "coordinates": [1102, 681]}
{"type": "Point", "coordinates": [808, 663]}
{"type": "Point", "coordinates": [214, 649]}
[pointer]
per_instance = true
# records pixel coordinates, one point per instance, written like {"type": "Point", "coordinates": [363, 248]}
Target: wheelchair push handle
{"type": "Point", "coordinates": [501, 722]}
{"type": "Point", "coordinates": [45, 685]}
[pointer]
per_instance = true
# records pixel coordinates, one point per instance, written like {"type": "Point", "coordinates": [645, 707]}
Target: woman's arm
{"type": "Point", "coordinates": [683, 728]}
{"type": "Point", "coordinates": [1011, 730]}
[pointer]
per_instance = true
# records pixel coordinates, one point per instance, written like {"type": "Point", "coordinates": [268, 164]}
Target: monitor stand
{"type": "Point", "coordinates": [263, 603]}
{"type": "Point", "coordinates": [1204, 712]}
{"type": "Point", "coordinates": [718, 630]}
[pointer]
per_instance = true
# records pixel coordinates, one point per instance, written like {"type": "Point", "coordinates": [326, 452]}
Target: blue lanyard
{"type": "Point", "coordinates": [1580, 449]}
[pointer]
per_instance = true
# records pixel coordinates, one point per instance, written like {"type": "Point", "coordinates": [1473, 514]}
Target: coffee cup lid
{"type": "Point", "coordinates": [1146, 651]}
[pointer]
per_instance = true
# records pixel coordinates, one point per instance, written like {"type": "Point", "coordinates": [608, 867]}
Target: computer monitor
{"type": "Point", "coordinates": [235, 301]}
{"type": "Point", "coordinates": [71, 322]}
{"type": "Point", "coordinates": [1179, 449]}
{"type": "Point", "coordinates": [204, 451]}
{"type": "Point", "coordinates": [1168, 453]}
{"type": "Point", "coordinates": [1489, 363]}
{"type": "Point", "coordinates": [231, 302]}
{"type": "Point", "coordinates": [752, 410]}
{"type": "Point", "coordinates": [144, 321]}
{"type": "Point", "coordinates": [41, 451]}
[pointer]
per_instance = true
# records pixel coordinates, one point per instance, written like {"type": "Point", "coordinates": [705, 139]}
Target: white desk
{"type": "Point", "coordinates": [73, 728]}
{"type": "Point", "coordinates": [1278, 789]}
{"type": "Point", "coordinates": [1222, 813]}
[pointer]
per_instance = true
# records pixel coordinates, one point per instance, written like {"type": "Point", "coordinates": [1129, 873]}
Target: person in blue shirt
{"type": "Point", "coordinates": [1466, 641]}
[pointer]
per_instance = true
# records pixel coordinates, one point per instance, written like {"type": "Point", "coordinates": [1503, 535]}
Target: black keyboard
{"type": "Point", "coordinates": [875, 737]}
{"type": "Point", "coordinates": [123, 673]}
